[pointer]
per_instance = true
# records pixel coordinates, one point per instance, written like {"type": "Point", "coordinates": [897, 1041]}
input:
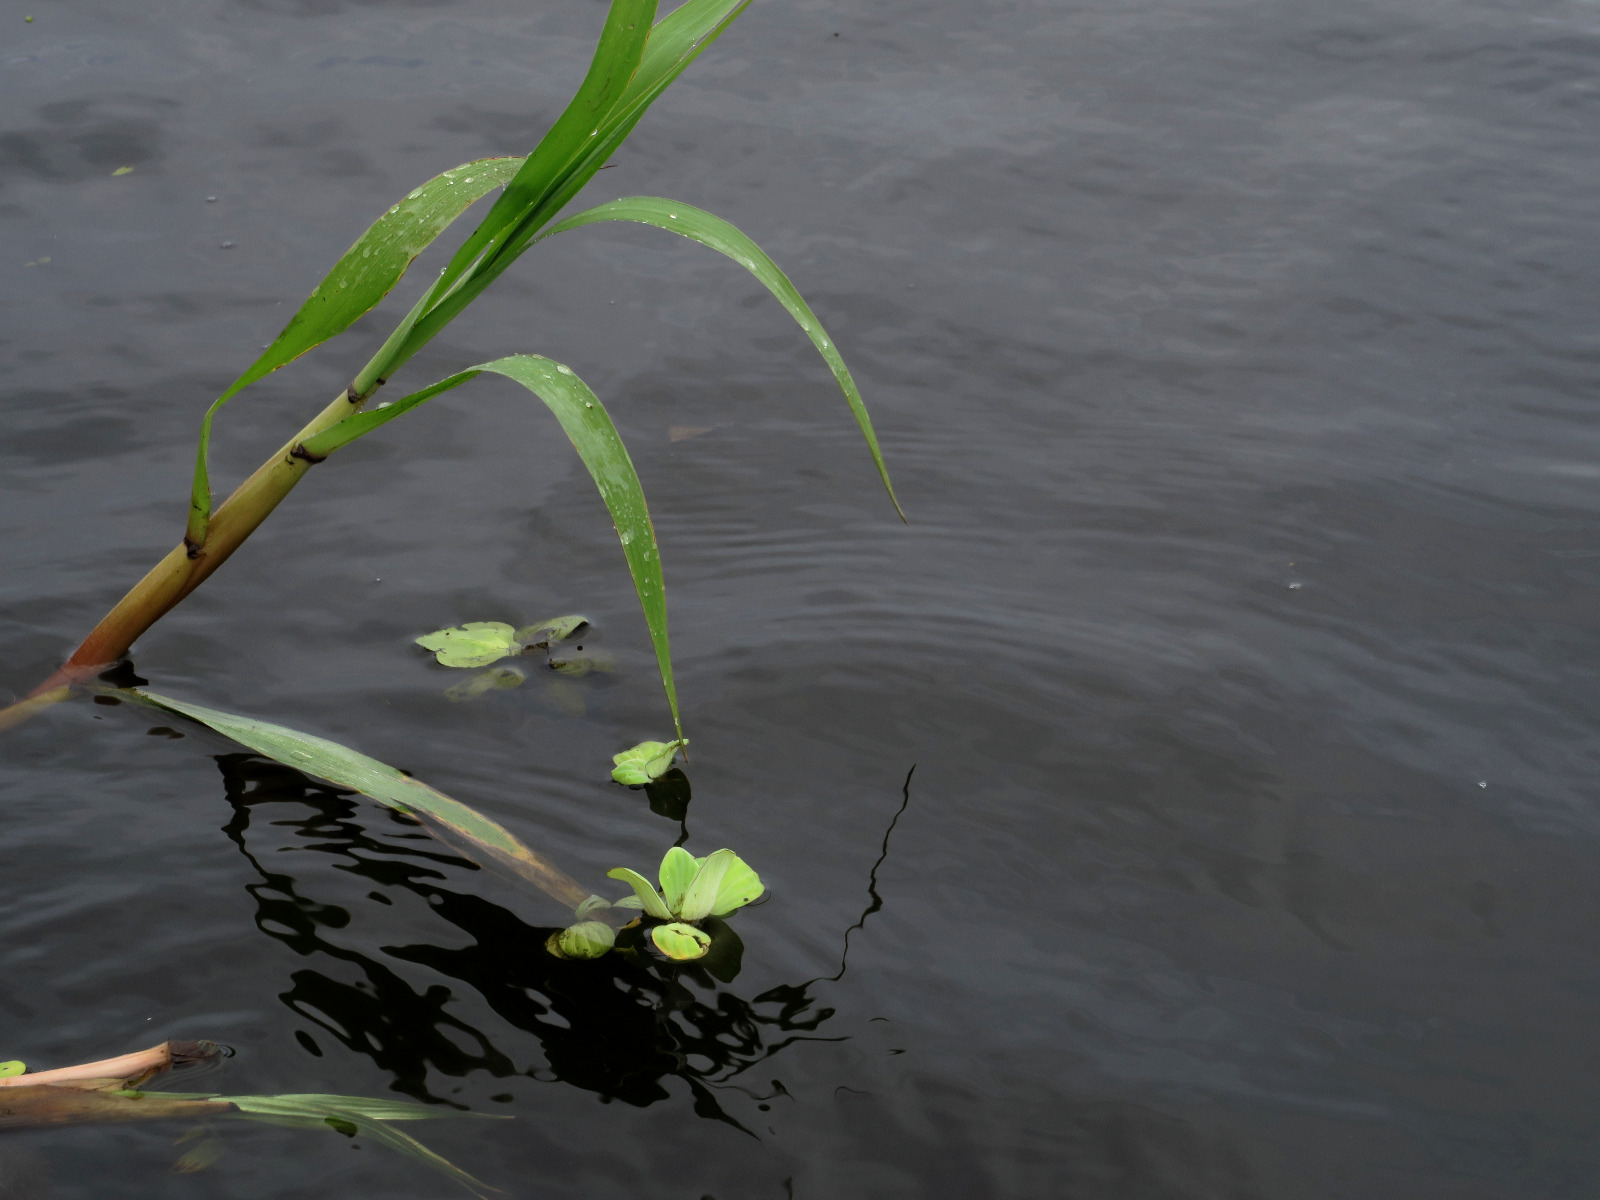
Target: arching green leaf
{"type": "Point", "coordinates": [589, 427]}
{"type": "Point", "coordinates": [649, 899]}
{"type": "Point", "coordinates": [680, 942]}
{"type": "Point", "coordinates": [719, 235]}
{"type": "Point", "coordinates": [475, 644]}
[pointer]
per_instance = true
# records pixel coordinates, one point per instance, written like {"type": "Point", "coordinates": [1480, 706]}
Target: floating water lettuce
{"type": "Point", "coordinates": [646, 761]}
{"type": "Point", "coordinates": [14, 1067]}
{"type": "Point", "coordinates": [692, 890]}
{"type": "Point", "coordinates": [475, 644]}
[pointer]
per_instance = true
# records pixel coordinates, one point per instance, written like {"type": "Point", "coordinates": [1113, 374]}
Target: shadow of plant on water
{"type": "Point", "coordinates": [618, 1026]}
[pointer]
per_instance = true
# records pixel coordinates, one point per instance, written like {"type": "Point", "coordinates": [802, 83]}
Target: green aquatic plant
{"type": "Point", "coordinates": [636, 60]}
{"type": "Point", "coordinates": [13, 1067]}
{"type": "Point", "coordinates": [648, 761]}
{"type": "Point", "coordinates": [692, 890]}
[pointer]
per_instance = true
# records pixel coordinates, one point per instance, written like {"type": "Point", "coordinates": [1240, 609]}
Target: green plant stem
{"type": "Point", "coordinates": [178, 574]}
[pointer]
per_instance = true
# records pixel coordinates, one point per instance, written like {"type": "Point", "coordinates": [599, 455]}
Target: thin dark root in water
{"type": "Point", "coordinates": [872, 877]}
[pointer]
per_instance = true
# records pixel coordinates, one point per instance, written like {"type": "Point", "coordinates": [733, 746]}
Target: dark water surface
{"type": "Point", "coordinates": [1236, 361]}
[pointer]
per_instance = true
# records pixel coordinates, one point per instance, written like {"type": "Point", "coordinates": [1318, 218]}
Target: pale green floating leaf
{"type": "Point", "coordinates": [119, 170]}
{"type": "Point", "coordinates": [646, 761]}
{"type": "Point", "coordinates": [14, 1067]}
{"type": "Point", "coordinates": [591, 906]}
{"type": "Point", "coordinates": [475, 644]}
{"type": "Point", "coordinates": [556, 629]}
{"type": "Point", "coordinates": [649, 899]}
{"type": "Point", "coordinates": [586, 939]}
{"type": "Point", "coordinates": [677, 872]}
{"type": "Point", "coordinates": [628, 902]}
{"type": "Point", "coordinates": [724, 883]}
{"type": "Point", "coordinates": [680, 942]}
{"type": "Point", "coordinates": [495, 679]}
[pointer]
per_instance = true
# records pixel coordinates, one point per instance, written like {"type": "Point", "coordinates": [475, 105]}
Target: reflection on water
{"type": "Point", "coordinates": [618, 1026]}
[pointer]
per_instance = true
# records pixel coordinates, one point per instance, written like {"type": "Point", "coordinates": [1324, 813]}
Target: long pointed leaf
{"type": "Point", "coordinates": [675, 42]}
{"type": "Point", "coordinates": [350, 769]}
{"type": "Point", "coordinates": [713, 231]}
{"type": "Point", "coordinates": [589, 426]}
{"type": "Point", "coordinates": [616, 58]}
{"type": "Point", "coordinates": [359, 280]}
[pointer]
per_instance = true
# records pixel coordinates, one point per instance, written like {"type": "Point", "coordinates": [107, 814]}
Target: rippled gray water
{"type": "Point", "coordinates": [1236, 362]}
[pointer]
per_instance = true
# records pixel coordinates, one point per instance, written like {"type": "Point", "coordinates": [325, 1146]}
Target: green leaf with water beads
{"type": "Point", "coordinates": [649, 899]}
{"type": "Point", "coordinates": [646, 761]}
{"type": "Point", "coordinates": [723, 883]}
{"type": "Point", "coordinates": [586, 939]}
{"type": "Point", "coordinates": [556, 629]}
{"type": "Point", "coordinates": [712, 231]}
{"type": "Point", "coordinates": [14, 1067]}
{"type": "Point", "coordinates": [495, 679]}
{"type": "Point", "coordinates": [366, 273]}
{"type": "Point", "coordinates": [680, 942]}
{"type": "Point", "coordinates": [678, 870]}
{"type": "Point", "coordinates": [475, 644]}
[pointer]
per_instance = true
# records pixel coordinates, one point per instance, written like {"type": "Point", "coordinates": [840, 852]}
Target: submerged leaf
{"type": "Point", "coordinates": [348, 768]}
{"type": "Point", "coordinates": [475, 644]}
{"type": "Point", "coordinates": [646, 761]}
{"type": "Point", "coordinates": [586, 939]}
{"type": "Point", "coordinates": [677, 872]}
{"type": "Point", "coordinates": [495, 679]}
{"type": "Point", "coordinates": [724, 883]}
{"type": "Point", "coordinates": [556, 629]}
{"type": "Point", "coordinates": [649, 899]}
{"type": "Point", "coordinates": [14, 1067]}
{"type": "Point", "coordinates": [680, 942]}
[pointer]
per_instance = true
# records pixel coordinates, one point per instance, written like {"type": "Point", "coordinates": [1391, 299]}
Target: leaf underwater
{"type": "Point", "coordinates": [495, 679]}
{"type": "Point", "coordinates": [556, 629]}
{"type": "Point", "coordinates": [586, 939]}
{"type": "Point", "coordinates": [638, 765]}
{"type": "Point", "coordinates": [475, 644]}
{"type": "Point", "coordinates": [350, 769]}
